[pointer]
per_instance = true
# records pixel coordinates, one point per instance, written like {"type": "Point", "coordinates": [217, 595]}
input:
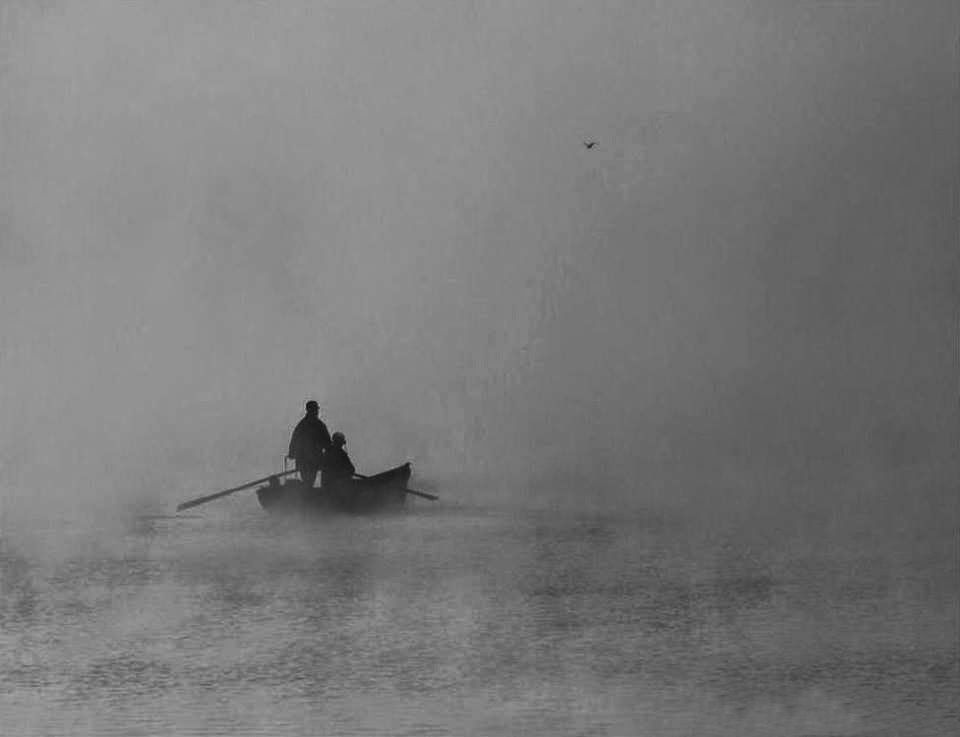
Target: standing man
{"type": "Point", "coordinates": [310, 440]}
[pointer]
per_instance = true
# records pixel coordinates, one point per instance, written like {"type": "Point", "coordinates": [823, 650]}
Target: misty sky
{"type": "Point", "coordinates": [212, 211]}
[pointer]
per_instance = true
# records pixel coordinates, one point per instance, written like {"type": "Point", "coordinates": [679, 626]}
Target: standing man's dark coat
{"type": "Point", "coordinates": [309, 442]}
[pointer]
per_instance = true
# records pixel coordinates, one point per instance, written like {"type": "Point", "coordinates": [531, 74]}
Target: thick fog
{"type": "Point", "coordinates": [211, 212]}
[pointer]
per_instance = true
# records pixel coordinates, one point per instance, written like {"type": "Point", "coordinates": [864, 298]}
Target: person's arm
{"type": "Point", "coordinates": [291, 451]}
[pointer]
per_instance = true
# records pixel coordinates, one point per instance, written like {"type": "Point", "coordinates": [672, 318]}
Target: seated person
{"type": "Point", "coordinates": [337, 465]}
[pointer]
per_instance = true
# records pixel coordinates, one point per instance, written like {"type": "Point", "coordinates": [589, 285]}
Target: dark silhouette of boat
{"type": "Point", "coordinates": [359, 495]}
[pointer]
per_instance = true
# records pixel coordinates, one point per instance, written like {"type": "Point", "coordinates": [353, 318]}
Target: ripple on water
{"type": "Point", "coordinates": [433, 624]}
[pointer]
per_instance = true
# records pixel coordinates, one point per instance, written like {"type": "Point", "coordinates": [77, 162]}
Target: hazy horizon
{"type": "Point", "coordinates": [210, 213]}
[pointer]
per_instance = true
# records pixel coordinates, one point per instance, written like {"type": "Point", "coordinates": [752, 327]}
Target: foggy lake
{"type": "Point", "coordinates": [463, 620]}
{"type": "Point", "coordinates": [658, 298]}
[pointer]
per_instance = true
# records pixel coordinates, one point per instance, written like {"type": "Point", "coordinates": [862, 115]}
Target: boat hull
{"type": "Point", "coordinates": [353, 496]}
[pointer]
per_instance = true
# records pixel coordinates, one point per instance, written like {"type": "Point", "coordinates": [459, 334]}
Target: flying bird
{"type": "Point", "coordinates": [589, 144]}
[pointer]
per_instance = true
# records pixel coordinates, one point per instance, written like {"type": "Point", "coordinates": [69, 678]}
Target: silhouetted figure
{"type": "Point", "coordinates": [337, 465]}
{"type": "Point", "coordinates": [310, 440]}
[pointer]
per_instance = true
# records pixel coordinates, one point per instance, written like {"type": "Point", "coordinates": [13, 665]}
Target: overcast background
{"type": "Point", "coordinates": [210, 212]}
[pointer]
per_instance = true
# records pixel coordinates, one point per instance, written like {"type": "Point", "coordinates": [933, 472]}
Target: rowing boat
{"type": "Point", "coordinates": [387, 490]}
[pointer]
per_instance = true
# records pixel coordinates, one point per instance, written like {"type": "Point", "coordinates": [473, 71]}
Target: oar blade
{"type": "Point", "coordinates": [424, 494]}
{"type": "Point", "coordinates": [217, 495]}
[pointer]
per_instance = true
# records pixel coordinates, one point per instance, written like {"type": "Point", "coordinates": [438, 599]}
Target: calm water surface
{"type": "Point", "coordinates": [471, 621]}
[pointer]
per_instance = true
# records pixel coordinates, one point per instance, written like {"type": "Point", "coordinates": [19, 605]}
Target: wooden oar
{"type": "Point", "coordinates": [217, 495]}
{"type": "Point", "coordinates": [424, 494]}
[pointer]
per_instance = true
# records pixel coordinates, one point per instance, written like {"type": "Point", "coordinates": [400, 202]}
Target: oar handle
{"type": "Point", "coordinates": [424, 494]}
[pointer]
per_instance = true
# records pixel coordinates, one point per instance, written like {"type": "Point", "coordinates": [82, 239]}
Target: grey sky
{"type": "Point", "coordinates": [212, 211]}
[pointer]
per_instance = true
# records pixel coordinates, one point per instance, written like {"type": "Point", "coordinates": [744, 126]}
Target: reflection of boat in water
{"type": "Point", "coordinates": [387, 490]}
